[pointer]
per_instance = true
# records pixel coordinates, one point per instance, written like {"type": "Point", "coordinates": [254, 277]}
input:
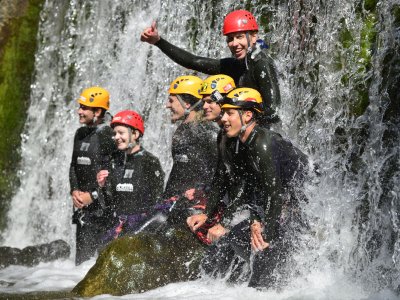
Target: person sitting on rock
{"type": "Point", "coordinates": [213, 90]}
{"type": "Point", "coordinates": [194, 150]}
{"type": "Point", "coordinates": [259, 215]}
{"type": "Point", "coordinates": [135, 181]}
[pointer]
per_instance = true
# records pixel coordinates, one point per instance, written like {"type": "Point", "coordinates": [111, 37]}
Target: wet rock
{"type": "Point", "coordinates": [33, 255]}
{"type": "Point", "coordinates": [135, 264]}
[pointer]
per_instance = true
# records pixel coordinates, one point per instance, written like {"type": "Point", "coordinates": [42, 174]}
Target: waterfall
{"type": "Point", "coordinates": [318, 47]}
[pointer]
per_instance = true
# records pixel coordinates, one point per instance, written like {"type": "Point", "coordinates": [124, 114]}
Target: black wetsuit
{"type": "Point", "coordinates": [274, 171]}
{"type": "Point", "coordinates": [92, 151]}
{"type": "Point", "coordinates": [134, 185]}
{"type": "Point", "coordinates": [194, 153]}
{"type": "Point", "coordinates": [255, 71]}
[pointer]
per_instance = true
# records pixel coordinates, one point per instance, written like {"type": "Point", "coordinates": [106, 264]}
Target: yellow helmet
{"type": "Point", "coordinates": [221, 83]}
{"type": "Point", "coordinates": [243, 98]}
{"type": "Point", "coordinates": [95, 97]}
{"type": "Point", "coordinates": [186, 85]}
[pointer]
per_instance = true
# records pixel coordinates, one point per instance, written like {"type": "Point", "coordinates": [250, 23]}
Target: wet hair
{"type": "Point", "coordinates": [192, 100]}
{"type": "Point", "coordinates": [103, 112]}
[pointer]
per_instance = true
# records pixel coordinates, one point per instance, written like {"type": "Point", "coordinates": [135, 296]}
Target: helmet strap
{"type": "Point", "coordinates": [242, 129]}
{"type": "Point", "coordinates": [131, 143]}
{"type": "Point", "coordinates": [249, 46]}
{"type": "Point", "coordinates": [183, 103]}
{"type": "Point", "coordinates": [187, 110]}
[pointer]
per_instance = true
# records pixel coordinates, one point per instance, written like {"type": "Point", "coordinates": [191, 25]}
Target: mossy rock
{"type": "Point", "coordinates": [139, 263]}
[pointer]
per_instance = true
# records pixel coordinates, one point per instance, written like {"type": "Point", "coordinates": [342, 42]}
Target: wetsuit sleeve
{"type": "Point", "coordinates": [218, 185]}
{"type": "Point", "coordinates": [215, 203]}
{"type": "Point", "coordinates": [73, 180]}
{"type": "Point", "coordinates": [268, 188]}
{"type": "Point", "coordinates": [188, 60]}
{"type": "Point", "coordinates": [266, 79]}
{"type": "Point", "coordinates": [154, 179]}
{"type": "Point", "coordinates": [107, 147]}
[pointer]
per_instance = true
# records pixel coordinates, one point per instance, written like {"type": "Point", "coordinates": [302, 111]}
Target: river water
{"type": "Point", "coordinates": [353, 250]}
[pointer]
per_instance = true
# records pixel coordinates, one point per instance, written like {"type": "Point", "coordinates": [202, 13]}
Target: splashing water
{"type": "Point", "coordinates": [353, 248]}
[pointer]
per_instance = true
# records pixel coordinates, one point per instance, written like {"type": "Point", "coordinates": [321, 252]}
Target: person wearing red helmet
{"type": "Point", "coordinates": [250, 64]}
{"type": "Point", "coordinates": [135, 181]}
{"type": "Point", "coordinates": [92, 150]}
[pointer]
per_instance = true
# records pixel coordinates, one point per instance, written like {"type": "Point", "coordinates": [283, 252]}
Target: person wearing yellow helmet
{"type": "Point", "coordinates": [193, 148]}
{"type": "Point", "coordinates": [250, 64]}
{"type": "Point", "coordinates": [93, 146]}
{"type": "Point", "coordinates": [273, 170]}
{"type": "Point", "coordinates": [213, 90]}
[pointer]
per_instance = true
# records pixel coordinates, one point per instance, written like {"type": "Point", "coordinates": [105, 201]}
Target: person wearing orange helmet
{"type": "Point", "coordinates": [257, 200]}
{"type": "Point", "coordinates": [213, 90]}
{"type": "Point", "coordinates": [93, 146]}
{"type": "Point", "coordinates": [135, 181]}
{"type": "Point", "coordinates": [193, 148]}
{"type": "Point", "coordinates": [250, 64]}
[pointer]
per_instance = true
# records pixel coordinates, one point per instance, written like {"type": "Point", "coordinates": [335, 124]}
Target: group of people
{"type": "Point", "coordinates": [239, 181]}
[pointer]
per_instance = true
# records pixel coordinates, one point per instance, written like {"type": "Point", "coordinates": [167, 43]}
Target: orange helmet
{"type": "Point", "coordinates": [188, 84]}
{"type": "Point", "coordinates": [243, 98]}
{"type": "Point", "coordinates": [221, 83]}
{"type": "Point", "coordinates": [95, 97]}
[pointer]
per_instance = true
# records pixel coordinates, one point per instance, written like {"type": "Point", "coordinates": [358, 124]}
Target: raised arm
{"type": "Point", "coordinates": [184, 58]}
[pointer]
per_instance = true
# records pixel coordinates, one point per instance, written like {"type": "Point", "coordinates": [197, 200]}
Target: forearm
{"type": "Point", "coordinates": [188, 60]}
{"type": "Point", "coordinates": [73, 181]}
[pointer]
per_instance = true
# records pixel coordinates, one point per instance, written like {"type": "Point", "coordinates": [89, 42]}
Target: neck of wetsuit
{"type": "Point", "coordinates": [249, 49]}
{"type": "Point", "coordinates": [242, 130]}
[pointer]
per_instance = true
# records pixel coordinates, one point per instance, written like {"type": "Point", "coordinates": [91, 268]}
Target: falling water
{"type": "Point", "coordinates": [353, 247]}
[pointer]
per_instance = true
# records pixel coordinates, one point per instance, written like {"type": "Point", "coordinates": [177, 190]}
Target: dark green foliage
{"type": "Point", "coordinates": [16, 66]}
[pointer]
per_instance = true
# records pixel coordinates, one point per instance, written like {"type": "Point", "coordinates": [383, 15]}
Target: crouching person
{"type": "Point", "coordinates": [272, 170]}
{"type": "Point", "coordinates": [135, 181]}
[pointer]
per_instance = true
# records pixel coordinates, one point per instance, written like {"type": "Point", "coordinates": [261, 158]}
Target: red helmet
{"type": "Point", "coordinates": [239, 20]}
{"type": "Point", "coordinates": [128, 118]}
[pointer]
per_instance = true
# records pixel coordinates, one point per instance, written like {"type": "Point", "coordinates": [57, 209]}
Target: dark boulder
{"type": "Point", "coordinates": [134, 264]}
{"type": "Point", "coordinates": [33, 255]}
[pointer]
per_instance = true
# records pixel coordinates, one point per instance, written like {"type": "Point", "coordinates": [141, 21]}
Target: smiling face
{"type": "Point", "coordinates": [212, 110]}
{"type": "Point", "coordinates": [238, 44]}
{"type": "Point", "coordinates": [231, 121]}
{"type": "Point", "coordinates": [87, 114]}
{"type": "Point", "coordinates": [121, 136]}
{"type": "Point", "coordinates": [177, 111]}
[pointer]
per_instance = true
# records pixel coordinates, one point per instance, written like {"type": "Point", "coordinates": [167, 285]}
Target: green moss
{"type": "Point", "coordinates": [353, 59]}
{"type": "Point", "coordinates": [396, 15]}
{"type": "Point", "coordinates": [16, 67]}
{"type": "Point", "coordinates": [153, 260]}
{"type": "Point", "coordinates": [192, 29]}
{"type": "Point", "coordinates": [370, 5]}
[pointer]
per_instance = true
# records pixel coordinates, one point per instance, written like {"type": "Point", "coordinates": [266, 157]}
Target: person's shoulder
{"type": "Point", "coordinates": [262, 138]}
{"type": "Point", "coordinates": [104, 128]}
{"type": "Point", "coordinates": [82, 132]}
{"type": "Point", "coordinates": [262, 57]}
{"type": "Point", "coordinates": [148, 156]}
{"type": "Point", "coordinates": [209, 130]}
